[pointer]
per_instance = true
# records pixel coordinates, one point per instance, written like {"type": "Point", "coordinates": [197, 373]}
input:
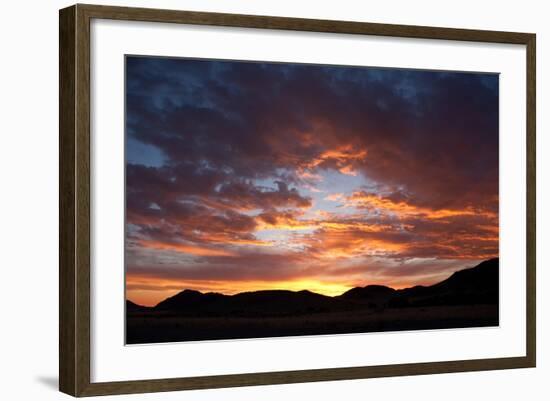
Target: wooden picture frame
{"type": "Point", "coordinates": [74, 204]}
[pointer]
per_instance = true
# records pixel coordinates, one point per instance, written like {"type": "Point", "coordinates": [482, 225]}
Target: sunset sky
{"type": "Point", "coordinates": [248, 176]}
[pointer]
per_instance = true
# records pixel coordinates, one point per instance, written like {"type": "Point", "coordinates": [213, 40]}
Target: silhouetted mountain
{"type": "Point", "coordinates": [190, 301]}
{"type": "Point", "coordinates": [256, 303]}
{"type": "Point", "coordinates": [368, 293]}
{"type": "Point", "coordinates": [282, 302]}
{"type": "Point", "coordinates": [133, 307]}
{"type": "Point", "coordinates": [476, 285]}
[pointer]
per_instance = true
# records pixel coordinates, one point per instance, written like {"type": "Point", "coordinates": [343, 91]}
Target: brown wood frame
{"type": "Point", "coordinates": [74, 199]}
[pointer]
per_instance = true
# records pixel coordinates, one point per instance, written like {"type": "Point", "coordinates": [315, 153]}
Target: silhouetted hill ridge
{"type": "Point", "coordinates": [133, 307]}
{"type": "Point", "coordinates": [370, 292]}
{"type": "Point", "coordinates": [474, 285]}
{"type": "Point", "coordinates": [251, 303]}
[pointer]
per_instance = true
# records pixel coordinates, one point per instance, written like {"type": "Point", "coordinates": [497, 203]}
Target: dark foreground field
{"type": "Point", "coordinates": [469, 298]}
{"type": "Point", "coordinates": [153, 328]}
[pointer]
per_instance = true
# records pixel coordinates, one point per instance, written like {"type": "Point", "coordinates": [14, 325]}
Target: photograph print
{"type": "Point", "coordinates": [279, 199]}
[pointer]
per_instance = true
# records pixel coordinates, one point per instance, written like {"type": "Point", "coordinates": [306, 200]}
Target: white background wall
{"type": "Point", "coordinates": [29, 184]}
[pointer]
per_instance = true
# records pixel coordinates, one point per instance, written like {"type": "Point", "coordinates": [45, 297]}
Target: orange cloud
{"type": "Point", "coordinates": [343, 242]}
{"type": "Point", "coordinates": [335, 197]}
{"type": "Point", "coordinates": [402, 208]}
{"type": "Point", "coordinates": [224, 239]}
{"type": "Point", "coordinates": [342, 158]}
{"type": "Point", "coordinates": [285, 220]}
{"type": "Point", "coordinates": [308, 175]}
{"type": "Point", "coordinates": [185, 248]}
{"type": "Point", "coordinates": [336, 225]}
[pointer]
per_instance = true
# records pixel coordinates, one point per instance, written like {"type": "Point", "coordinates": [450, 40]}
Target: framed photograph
{"type": "Point", "coordinates": [250, 200]}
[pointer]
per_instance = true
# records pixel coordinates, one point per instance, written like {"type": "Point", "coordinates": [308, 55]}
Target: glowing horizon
{"type": "Point", "coordinates": [140, 292]}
